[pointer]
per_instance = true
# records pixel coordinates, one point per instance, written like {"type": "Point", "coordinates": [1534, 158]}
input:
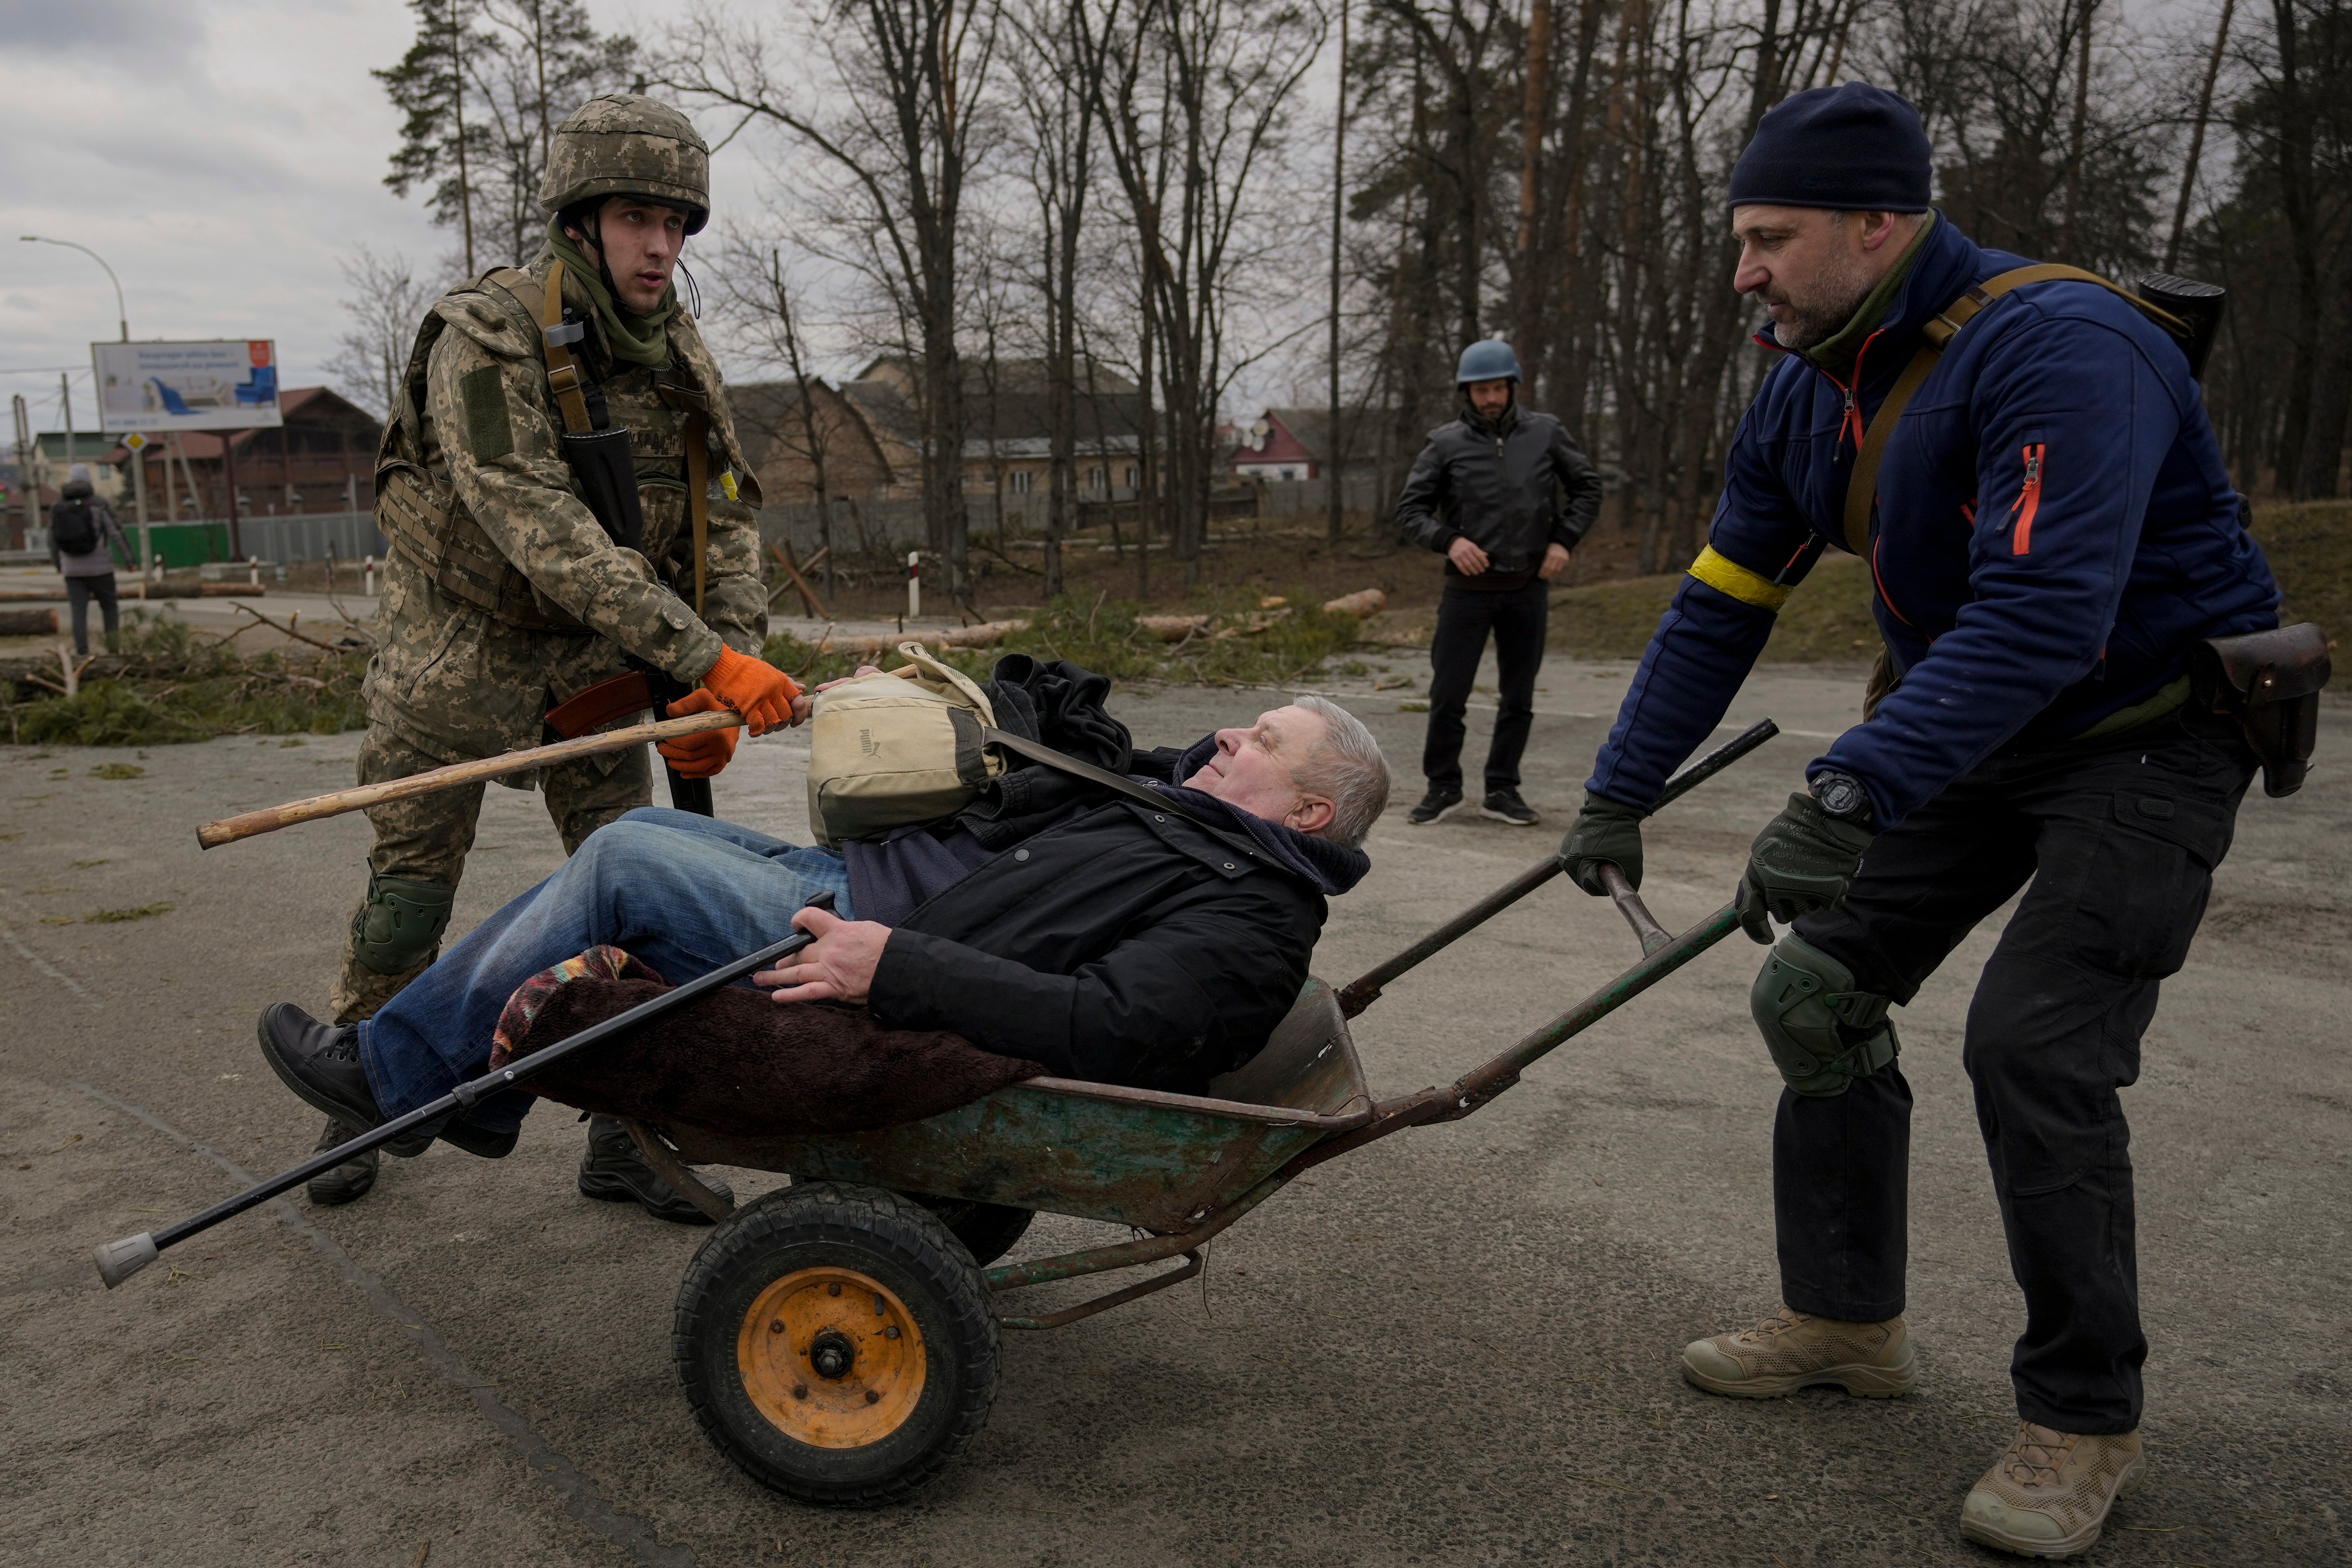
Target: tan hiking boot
{"type": "Point", "coordinates": [1791, 1350]}
{"type": "Point", "coordinates": [2048, 1495]}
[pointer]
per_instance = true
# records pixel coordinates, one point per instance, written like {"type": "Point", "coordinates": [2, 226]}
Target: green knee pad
{"type": "Point", "coordinates": [1823, 1033]}
{"type": "Point", "coordinates": [401, 921]}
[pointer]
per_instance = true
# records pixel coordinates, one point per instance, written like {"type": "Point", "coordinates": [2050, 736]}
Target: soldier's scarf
{"type": "Point", "coordinates": [639, 340]}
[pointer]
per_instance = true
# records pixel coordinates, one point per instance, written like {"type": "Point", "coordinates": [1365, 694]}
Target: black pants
{"type": "Point", "coordinates": [1464, 616]}
{"type": "Point", "coordinates": [2118, 839]}
{"type": "Point", "coordinates": [79, 592]}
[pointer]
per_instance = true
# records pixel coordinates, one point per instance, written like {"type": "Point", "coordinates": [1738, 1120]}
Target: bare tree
{"type": "Point", "coordinates": [891, 100]}
{"type": "Point", "coordinates": [1194, 97]}
{"type": "Point", "coordinates": [1059, 146]}
{"type": "Point", "coordinates": [386, 306]}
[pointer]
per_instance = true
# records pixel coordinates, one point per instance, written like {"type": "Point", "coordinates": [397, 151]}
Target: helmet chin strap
{"type": "Point", "coordinates": [595, 243]}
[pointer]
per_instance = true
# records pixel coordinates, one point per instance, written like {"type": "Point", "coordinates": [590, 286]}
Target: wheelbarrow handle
{"type": "Point", "coordinates": [1476, 1087]}
{"type": "Point", "coordinates": [1361, 992]}
{"type": "Point", "coordinates": [117, 1261]}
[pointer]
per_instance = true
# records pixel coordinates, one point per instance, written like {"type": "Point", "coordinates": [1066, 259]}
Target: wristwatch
{"type": "Point", "coordinates": [1841, 795]}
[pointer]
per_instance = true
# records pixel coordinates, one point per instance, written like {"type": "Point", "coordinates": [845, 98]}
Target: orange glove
{"type": "Point", "coordinates": [698, 756]}
{"type": "Point", "coordinates": [760, 691]}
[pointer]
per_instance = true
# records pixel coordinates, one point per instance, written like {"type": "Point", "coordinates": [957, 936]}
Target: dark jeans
{"type": "Point", "coordinates": [79, 592]}
{"type": "Point", "coordinates": [2118, 839]}
{"type": "Point", "coordinates": [1464, 616]}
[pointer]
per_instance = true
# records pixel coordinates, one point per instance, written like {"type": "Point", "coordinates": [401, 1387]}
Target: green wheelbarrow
{"type": "Point", "coordinates": [839, 1338]}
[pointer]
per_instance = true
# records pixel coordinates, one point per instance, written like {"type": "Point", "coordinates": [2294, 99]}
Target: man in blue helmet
{"type": "Point", "coordinates": [1486, 494]}
{"type": "Point", "coordinates": [2051, 532]}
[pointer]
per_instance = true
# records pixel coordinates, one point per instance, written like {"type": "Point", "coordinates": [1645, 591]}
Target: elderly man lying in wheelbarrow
{"type": "Point", "coordinates": [1050, 921]}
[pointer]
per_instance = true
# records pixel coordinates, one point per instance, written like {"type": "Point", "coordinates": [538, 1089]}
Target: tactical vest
{"type": "Point", "coordinates": [422, 518]}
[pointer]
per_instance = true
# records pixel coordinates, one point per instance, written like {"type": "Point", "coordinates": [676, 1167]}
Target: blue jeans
{"type": "Point", "coordinates": [682, 892]}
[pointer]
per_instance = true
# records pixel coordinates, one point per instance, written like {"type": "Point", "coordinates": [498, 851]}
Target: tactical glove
{"type": "Point", "coordinates": [698, 756]}
{"type": "Point", "coordinates": [760, 691]}
{"type": "Point", "coordinates": [1605, 830]}
{"type": "Point", "coordinates": [1799, 863]}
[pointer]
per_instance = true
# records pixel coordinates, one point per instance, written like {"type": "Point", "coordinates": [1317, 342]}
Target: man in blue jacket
{"type": "Point", "coordinates": [2054, 530]}
{"type": "Point", "coordinates": [1485, 493]}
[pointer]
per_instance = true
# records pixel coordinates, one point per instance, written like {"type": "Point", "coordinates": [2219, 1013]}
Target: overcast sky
{"type": "Point", "coordinates": [220, 154]}
{"type": "Point", "coordinates": [223, 154]}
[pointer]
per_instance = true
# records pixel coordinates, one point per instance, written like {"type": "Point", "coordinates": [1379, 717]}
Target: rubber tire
{"type": "Point", "coordinates": [988, 1231]}
{"type": "Point", "coordinates": [900, 1244]}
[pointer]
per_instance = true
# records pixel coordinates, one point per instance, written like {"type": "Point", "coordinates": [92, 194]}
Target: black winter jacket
{"type": "Point", "coordinates": [1116, 945]}
{"type": "Point", "coordinates": [1500, 487]}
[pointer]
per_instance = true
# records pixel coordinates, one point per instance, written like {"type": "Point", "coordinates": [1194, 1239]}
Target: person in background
{"type": "Point", "coordinates": [83, 537]}
{"type": "Point", "coordinates": [1485, 493]}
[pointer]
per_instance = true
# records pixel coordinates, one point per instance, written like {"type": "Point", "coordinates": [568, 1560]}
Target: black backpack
{"type": "Point", "coordinates": [73, 529]}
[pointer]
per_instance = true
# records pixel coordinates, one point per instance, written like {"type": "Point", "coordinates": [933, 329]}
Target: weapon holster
{"type": "Point", "coordinates": [2270, 683]}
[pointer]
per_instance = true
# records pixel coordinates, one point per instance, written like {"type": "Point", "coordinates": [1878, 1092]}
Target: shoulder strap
{"type": "Point", "coordinates": [1037, 753]}
{"type": "Point", "coordinates": [1861, 485]}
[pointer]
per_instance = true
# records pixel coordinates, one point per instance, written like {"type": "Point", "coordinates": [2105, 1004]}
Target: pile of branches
{"type": "Point", "coordinates": [172, 684]}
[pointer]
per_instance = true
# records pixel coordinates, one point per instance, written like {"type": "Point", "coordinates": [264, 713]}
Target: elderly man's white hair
{"type": "Point", "coordinates": [1347, 768]}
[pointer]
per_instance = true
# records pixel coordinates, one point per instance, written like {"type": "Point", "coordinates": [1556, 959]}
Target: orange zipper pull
{"type": "Point", "coordinates": [2029, 499]}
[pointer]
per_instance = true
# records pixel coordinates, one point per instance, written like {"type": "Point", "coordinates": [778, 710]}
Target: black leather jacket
{"type": "Point", "coordinates": [1498, 485]}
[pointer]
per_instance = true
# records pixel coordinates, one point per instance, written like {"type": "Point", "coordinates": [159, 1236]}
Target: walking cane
{"type": "Point", "coordinates": [118, 1260]}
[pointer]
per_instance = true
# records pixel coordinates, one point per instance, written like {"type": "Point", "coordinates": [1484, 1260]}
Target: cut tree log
{"type": "Point", "coordinates": [1363, 605]}
{"type": "Point", "coordinates": [29, 623]}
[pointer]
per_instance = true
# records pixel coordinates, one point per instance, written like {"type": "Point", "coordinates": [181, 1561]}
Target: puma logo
{"type": "Point", "coordinates": [869, 744]}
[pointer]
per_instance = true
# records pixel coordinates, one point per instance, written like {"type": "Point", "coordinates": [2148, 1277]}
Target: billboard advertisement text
{"type": "Point", "coordinates": [231, 385]}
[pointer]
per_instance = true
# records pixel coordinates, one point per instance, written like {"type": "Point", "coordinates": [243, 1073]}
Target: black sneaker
{"type": "Point", "coordinates": [349, 1181]}
{"type": "Point", "coordinates": [1434, 807]}
{"type": "Point", "coordinates": [1505, 806]}
{"type": "Point", "coordinates": [613, 1171]}
{"type": "Point", "coordinates": [321, 1062]}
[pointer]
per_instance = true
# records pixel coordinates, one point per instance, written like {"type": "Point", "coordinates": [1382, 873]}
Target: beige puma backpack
{"type": "Point", "coordinates": [909, 745]}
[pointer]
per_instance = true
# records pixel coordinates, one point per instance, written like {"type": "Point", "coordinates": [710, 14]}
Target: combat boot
{"type": "Point", "coordinates": [2049, 1494]}
{"type": "Point", "coordinates": [613, 1171]}
{"type": "Point", "coordinates": [349, 1181]}
{"type": "Point", "coordinates": [1791, 1350]}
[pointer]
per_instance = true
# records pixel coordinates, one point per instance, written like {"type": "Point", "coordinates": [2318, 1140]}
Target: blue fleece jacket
{"type": "Point", "coordinates": [2054, 528]}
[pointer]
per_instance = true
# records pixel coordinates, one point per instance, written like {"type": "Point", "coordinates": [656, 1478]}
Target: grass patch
{"type": "Point", "coordinates": [1240, 646]}
{"type": "Point", "coordinates": [1828, 620]}
{"type": "Point", "coordinates": [2310, 549]}
{"type": "Point", "coordinates": [182, 687]}
{"type": "Point", "coordinates": [117, 771]}
{"type": "Point", "coordinates": [116, 917]}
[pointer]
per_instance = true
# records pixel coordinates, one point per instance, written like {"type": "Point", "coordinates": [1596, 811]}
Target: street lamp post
{"type": "Point", "coordinates": [121, 313]}
{"type": "Point", "coordinates": [138, 458]}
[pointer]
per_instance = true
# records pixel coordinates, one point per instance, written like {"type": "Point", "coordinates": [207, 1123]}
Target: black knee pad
{"type": "Point", "coordinates": [1823, 1033]}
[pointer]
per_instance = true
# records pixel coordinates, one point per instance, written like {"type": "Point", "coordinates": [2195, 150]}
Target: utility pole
{"type": "Point", "coordinates": [25, 466]}
{"type": "Point", "coordinates": [1331, 448]}
{"type": "Point", "coordinates": [65, 394]}
{"type": "Point", "coordinates": [465, 185]}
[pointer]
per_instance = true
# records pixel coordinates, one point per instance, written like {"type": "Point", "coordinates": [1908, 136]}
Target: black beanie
{"type": "Point", "coordinates": [1857, 147]}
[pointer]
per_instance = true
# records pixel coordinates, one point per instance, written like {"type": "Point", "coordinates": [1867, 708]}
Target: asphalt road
{"type": "Point", "coordinates": [1456, 1346]}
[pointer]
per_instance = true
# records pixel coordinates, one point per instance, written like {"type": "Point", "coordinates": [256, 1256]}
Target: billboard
{"type": "Point", "coordinates": [231, 385]}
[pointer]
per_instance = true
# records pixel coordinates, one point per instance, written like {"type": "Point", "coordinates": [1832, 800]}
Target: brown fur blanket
{"type": "Point", "coordinates": [740, 1063]}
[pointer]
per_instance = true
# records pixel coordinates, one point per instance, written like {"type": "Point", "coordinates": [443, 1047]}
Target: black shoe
{"type": "Point", "coordinates": [613, 1171]}
{"type": "Point", "coordinates": [1505, 806]}
{"type": "Point", "coordinates": [321, 1062]}
{"type": "Point", "coordinates": [479, 1139]}
{"type": "Point", "coordinates": [1434, 807]}
{"type": "Point", "coordinates": [349, 1181]}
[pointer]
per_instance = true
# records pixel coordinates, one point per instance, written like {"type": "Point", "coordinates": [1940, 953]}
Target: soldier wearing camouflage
{"type": "Point", "coordinates": [503, 594]}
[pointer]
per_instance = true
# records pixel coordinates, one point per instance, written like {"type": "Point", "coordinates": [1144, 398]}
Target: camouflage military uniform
{"type": "Point", "coordinates": [452, 680]}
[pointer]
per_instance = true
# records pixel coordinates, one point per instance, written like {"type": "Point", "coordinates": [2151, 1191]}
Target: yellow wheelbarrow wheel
{"type": "Point", "coordinates": [836, 1342]}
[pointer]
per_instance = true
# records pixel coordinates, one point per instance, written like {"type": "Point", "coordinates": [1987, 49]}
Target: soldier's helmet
{"type": "Point", "coordinates": [626, 145]}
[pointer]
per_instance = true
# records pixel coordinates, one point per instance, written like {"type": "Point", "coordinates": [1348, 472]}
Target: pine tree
{"type": "Point", "coordinates": [483, 87]}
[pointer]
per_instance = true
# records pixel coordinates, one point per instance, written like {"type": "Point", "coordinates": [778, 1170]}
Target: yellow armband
{"type": "Point", "coordinates": [1726, 575]}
